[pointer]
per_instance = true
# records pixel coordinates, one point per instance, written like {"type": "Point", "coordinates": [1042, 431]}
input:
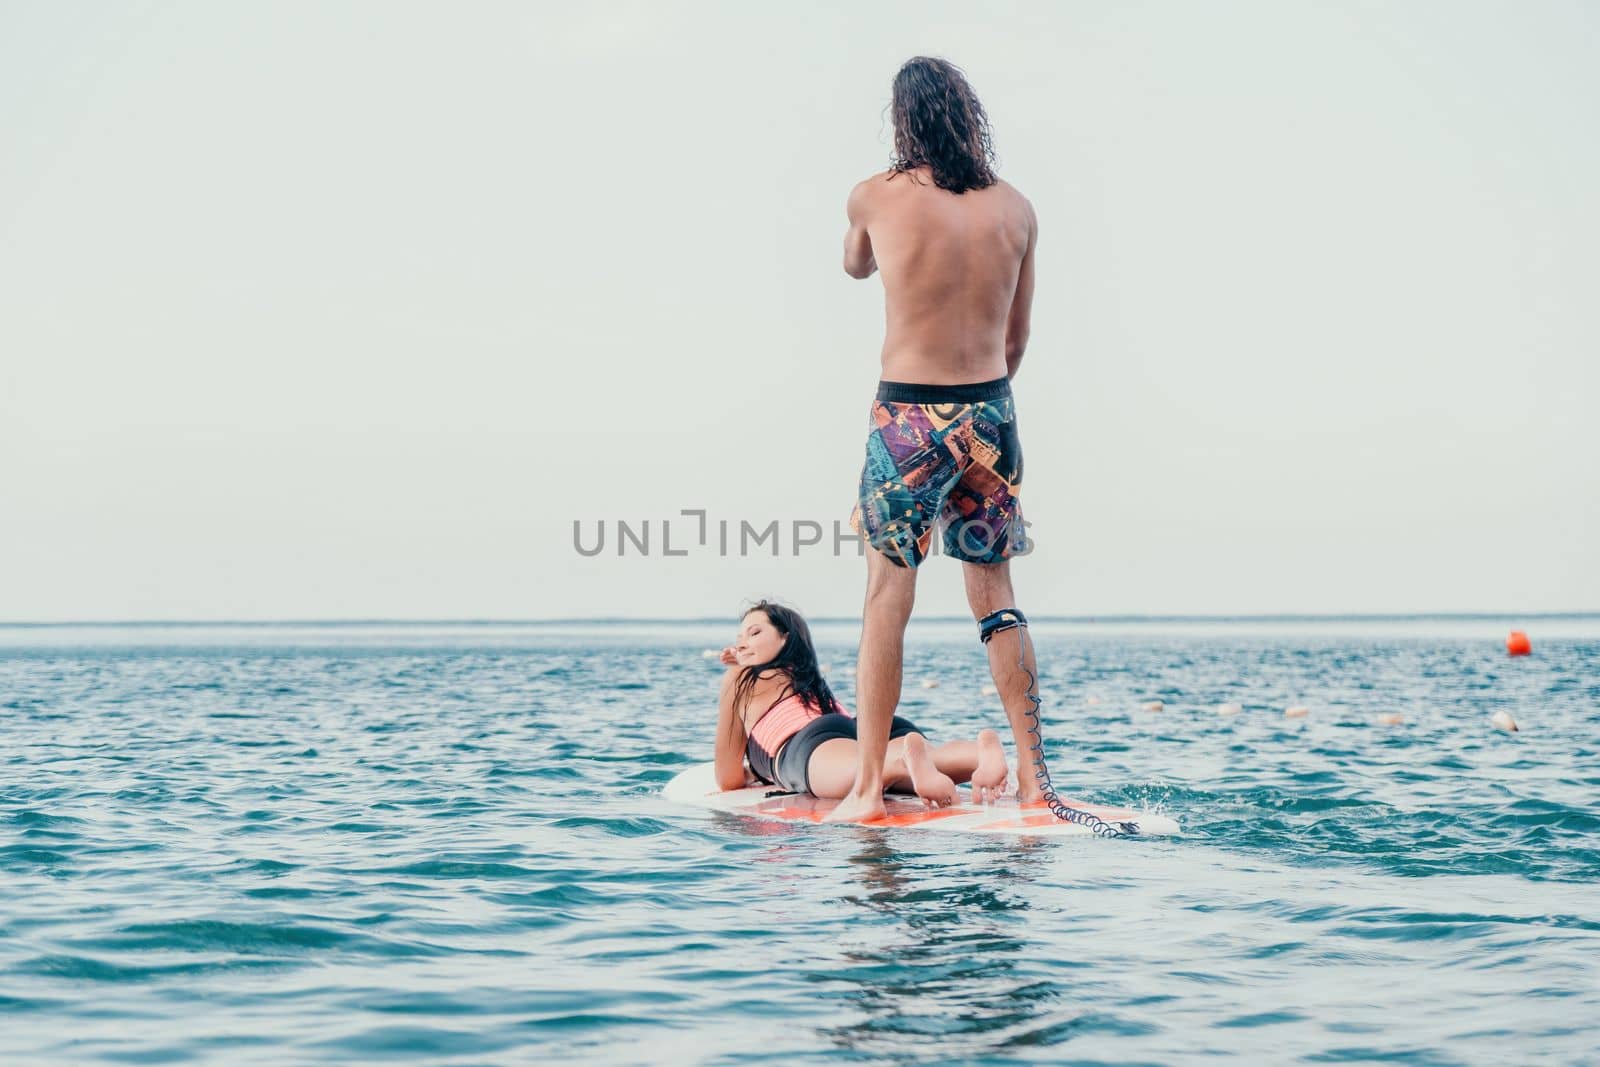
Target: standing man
{"type": "Point", "coordinates": [954, 245]}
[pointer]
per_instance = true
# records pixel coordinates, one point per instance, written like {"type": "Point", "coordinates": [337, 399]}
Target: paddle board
{"type": "Point", "coordinates": [697, 786]}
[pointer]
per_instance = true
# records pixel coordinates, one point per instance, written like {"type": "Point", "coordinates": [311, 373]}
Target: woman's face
{"type": "Point", "coordinates": [759, 641]}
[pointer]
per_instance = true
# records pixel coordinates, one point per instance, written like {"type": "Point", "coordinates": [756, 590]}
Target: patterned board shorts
{"type": "Point", "coordinates": [947, 454]}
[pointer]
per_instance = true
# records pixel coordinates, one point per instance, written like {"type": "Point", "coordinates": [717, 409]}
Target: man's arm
{"type": "Point", "coordinates": [1019, 321]}
{"type": "Point", "coordinates": [858, 259]}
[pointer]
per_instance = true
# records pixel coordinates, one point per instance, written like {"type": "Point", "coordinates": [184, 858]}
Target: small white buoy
{"type": "Point", "coordinates": [930, 683]}
{"type": "Point", "coordinates": [1229, 709]}
{"type": "Point", "coordinates": [988, 691]}
{"type": "Point", "coordinates": [710, 653]}
{"type": "Point", "coordinates": [1091, 699]}
{"type": "Point", "coordinates": [1391, 718]}
{"type": "Point", "coordinates": [1155, 705]}
{"type": "Point", "coordinates": [1502, 720]}
{"type": "Point", "coordinates": [849, 670]}
{"type": "Point", "coordinates": [1298, 711]}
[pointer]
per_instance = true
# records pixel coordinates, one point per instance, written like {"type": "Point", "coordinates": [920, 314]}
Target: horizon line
{"type": "Point", "coordinates": [1124, 617]}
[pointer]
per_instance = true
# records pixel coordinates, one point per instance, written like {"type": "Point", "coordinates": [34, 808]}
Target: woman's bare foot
{"type": "Point", "coordinates": [934, 786]}
{"type": "Point", "coordinates": [989, 780]}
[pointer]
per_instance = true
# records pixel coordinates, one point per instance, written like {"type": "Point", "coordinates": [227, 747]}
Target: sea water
{"type": "Point", "coordinates": [446, 844]}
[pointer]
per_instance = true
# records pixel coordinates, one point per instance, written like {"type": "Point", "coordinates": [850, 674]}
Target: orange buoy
{"type": "Point", "coordinates": [1517, 643]}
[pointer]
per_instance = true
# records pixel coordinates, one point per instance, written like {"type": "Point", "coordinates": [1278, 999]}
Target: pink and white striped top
{"type": "Point", "coordinates": [782, 721]}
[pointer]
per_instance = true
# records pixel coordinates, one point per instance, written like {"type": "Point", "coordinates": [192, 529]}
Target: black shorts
{"type": "Point", "coordinates": [795, 756]}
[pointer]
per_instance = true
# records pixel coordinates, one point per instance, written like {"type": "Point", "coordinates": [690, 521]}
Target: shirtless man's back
{"type": "Point", "coordinates": [957, 272]}
{"type": "Point", "coordinates": [954, 246]}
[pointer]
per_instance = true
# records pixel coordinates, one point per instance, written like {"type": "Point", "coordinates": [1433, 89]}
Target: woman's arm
{"type": "Point", "coordinates": [730, 736]}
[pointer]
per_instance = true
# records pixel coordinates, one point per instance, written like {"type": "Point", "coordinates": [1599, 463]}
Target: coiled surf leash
{"type": "Point", "coordinates": [1012, 619]}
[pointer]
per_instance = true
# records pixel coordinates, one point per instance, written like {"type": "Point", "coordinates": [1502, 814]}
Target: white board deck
{"type": "Point", "coordinates": [697, 786]}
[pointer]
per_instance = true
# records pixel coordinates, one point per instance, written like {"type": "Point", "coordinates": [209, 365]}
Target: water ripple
{"type": "Point", "coordinates": [302, 845]}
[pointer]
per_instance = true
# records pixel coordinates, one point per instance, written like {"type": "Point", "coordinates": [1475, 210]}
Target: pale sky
{"type": "Point", "coordinates": [350, 310]}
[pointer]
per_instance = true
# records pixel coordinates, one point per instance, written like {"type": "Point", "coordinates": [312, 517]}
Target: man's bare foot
{"type": "Point", "coordinates": [858, 808]}
{"type": "Point", "coordinates": [1029, 790]}
{"type": "Point", "coordinates": [989, 780]}
{"type": "Point", "coordinates": [934, 786]}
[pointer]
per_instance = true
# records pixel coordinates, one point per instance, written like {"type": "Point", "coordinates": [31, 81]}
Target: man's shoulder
{"type": "Point", "coordinates": [1022, 207]}
{"type": "Point", "coordinates": [1013, 191]}
{"type": "Point", "coordinates": [865, 191]}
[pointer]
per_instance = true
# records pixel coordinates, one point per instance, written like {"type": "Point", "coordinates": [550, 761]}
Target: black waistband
{"type": "Point", "coordinates": [966, 393]}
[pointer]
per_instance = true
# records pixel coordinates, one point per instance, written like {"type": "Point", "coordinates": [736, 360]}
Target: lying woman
{"type": "Point", "coordinates": [776, 711]}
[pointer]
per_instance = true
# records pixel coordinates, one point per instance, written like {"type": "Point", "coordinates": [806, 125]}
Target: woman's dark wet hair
{"type": "Point", "coordinates": [797, 658]}
{"type": "Point", "coordinates": [939, 124]}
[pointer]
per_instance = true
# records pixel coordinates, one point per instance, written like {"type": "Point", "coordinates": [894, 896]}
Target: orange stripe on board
{"type": "Point", "coordinates": [915, 818]}
{"type": "Point", "coordinates": [798, 813]}
{"type": "Point", "coordinates": [815, 813]}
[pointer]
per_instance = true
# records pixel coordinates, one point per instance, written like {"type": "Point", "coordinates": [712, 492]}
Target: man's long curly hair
{"type": "Point", "coordinates": [939, 124]}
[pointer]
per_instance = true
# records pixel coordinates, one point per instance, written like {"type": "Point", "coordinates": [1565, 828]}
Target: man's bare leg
{"type": "Point", "coordinates": [989, 590]}
{"type": "Point", "coordinates": [891, 589]}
